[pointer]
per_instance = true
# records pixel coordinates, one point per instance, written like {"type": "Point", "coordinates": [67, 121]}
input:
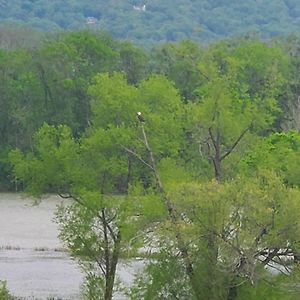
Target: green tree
{"type": "Point", "coordinates": [134, 62]}
{"type": "Point", "coordinates": [236, 232]}
{"type": "Point", "coordinates": [65, 68]}
{"type": "Point", "coordinates": [278, 152]}
{"type": "Point", "coordinates": [91, 227]}
{"type": "Point", "coordinates": [231, 103]}
{"type": "Point", "coordinates": [98, 227]}
{"type": "Point", "coordinates": [179, 63]}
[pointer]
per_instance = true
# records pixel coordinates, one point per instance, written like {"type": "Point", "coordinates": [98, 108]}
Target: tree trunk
{"type": "Point", "coordinates": [111, 272]}
{"type": "Point", "coordinates": [232, 292]}
{"type": "Point", "coordinates": [217, 167]}
{"type": "Point", "coordinates": [217, 158]}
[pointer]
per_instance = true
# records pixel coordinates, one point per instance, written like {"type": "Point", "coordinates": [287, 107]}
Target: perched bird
{"type": "Point", "coordinates": [140, 117]}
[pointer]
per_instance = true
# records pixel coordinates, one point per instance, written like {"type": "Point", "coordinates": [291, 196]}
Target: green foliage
{"type": "Point", "coordinates": [4, 293]}
{"type": "Point", "coordinates": [55, 148]}
{"type": "Point", "coordinates": [134, 63]}
{"type": "Point", "coordinates": [92, 287]}
{"type": "Point", "coordinates": [179, 62]}
{"type": "Point", "coordinates": [226, 227]}
{"type": "Point", "coordinates": [150, 184]}
{"type": "Point", "coordinates": [228, 111]}
{"type": "Point", "coordinates": [162, 279]}
{"type": "Point", "coordinates": [161, 21]}
{"type": "Point", "coordinates": [115, 103]}
{"type": "Point", "coordinates": [280, 152]}
{"type": "Point", "coordinates": [273, 288]}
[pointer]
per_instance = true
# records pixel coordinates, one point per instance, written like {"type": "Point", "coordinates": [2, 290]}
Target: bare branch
{"type": "Point", "coordinates": [276, 268]}
{"type": "Point", "coordinates": [79, 201]}
{"type": "Point", "coordinates": [223, 238]}
{"type": "Point", "coordinates": [267, 251]}
{"type": "Point", "coordinates": [112, 218]}
{"type": "Point", "coordinates": [113, 235]}
{"type": "Point", "coordinates": [106, 244]}
{"type": "Point", "coordinates": [283, 264]}
{"type": "Point", "coordinates": [106, 225]}
{"type": "Point", "coordinates": [235, 143]}
{"type": "Point", "coordinates": [138, 157]}
{"type": "Point", "coordinates": [70, 196]}
{"type": "Point", "coordinates": [65, 196]}
{"type": "Point", "coordinates": [173, 216]}
{"type": "Point", "coordinates": [270, 256]}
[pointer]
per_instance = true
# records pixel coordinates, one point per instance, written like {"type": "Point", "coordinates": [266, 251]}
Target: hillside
{"type": "Point", "coordinates": [150, 21]}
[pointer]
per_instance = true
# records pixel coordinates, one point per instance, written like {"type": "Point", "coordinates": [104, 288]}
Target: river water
{"type": "Point", "coordinates": [31, 260]}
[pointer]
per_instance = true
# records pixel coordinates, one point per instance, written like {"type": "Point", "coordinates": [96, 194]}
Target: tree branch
{"type": "Point", "coordinates": [270, 256]}
{"type": "Point", "coordinates": [106, 225]}
{"type": "Point", "coordinates": [174, 219]}
{"type": "Point", "coordinates": [106, 245]}
{"type": "Point", "coordinates": [70, 196]}
{"type": "Point", "coordinates": [235, 143]}
{"type": "Point", "coordinates": [138, 157]}
{"type": "Point", "coordinates": [212, 138]}
{"type": "Point", "coordinates": [93, 255]}
{"type": "Point", "coordinates": [263, 231]}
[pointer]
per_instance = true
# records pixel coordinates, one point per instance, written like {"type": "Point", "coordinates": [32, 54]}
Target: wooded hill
{"type": "Point", "coordinates": [200, 20]}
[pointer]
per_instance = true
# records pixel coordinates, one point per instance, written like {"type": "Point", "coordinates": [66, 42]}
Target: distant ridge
{"type": "Point", "coordinates": [151, 21]}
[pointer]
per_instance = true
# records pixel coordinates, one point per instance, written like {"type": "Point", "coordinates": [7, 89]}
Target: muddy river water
{"type": "Point", "coordinates": [31, 260]}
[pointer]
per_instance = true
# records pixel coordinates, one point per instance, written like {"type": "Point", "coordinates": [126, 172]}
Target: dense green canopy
{"type": "Point", "coordinates": [169, 20]}
{"type": "Point", "coordinates": [209, 182]}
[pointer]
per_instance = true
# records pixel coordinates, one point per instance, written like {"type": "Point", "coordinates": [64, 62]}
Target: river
{"type": "Point", "coordinates": [31, 257]}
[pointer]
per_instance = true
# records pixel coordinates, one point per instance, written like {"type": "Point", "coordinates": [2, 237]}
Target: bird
{"type": "Point", "coordinates": [140, 117]}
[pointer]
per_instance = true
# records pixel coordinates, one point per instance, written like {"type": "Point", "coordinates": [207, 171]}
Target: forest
{"type": "Point", "coordinates": [203, 185]}
{"type": "Point", "coordinates": [159, 21]}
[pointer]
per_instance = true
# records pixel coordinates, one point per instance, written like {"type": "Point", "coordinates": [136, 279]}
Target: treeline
{"type": "Point", "coordinates": [51, 81]}
{"type": "Point", "coordinates": [204, 20]}
{"type": "Point", "coordinates": [209, 182]}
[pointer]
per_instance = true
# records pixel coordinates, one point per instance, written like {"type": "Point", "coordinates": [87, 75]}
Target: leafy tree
{"type": "Point", "coordinates": [227, 109]}
{"type": "Point", "coordinates": [278, 152]}
{"type": "Point", "coordinates": [97, 228]}
{"type": "Point", "coordinates": [134, 62]}
{"type": "Point", "coordinates": [149, 183]}
{"type": "Point", "coordinates": [115, 103]}
{"type": "Point", "coordinates": [179, 62]}
{"type": "Point", "coordinates": [13, 37]}
{"type": "Point", "coordinates": [289, 95]}
{"type": "Point", "coordinates": [236, 232]}
{"type": "Point", "coordinates": [91, 226]}
{"type": "Point", "coordinates": [66, 68]}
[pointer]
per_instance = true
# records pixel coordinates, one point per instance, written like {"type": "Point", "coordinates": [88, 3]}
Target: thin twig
{"type": "Point", "coordinates": [138, 157]}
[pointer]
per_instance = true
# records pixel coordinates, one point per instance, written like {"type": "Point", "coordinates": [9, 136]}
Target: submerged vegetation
{"type": "Point", "coordinates": [209, 183]}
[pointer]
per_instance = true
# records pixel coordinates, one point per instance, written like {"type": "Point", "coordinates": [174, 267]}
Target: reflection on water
{"type": "Point", "coordinates": [25, 228]}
